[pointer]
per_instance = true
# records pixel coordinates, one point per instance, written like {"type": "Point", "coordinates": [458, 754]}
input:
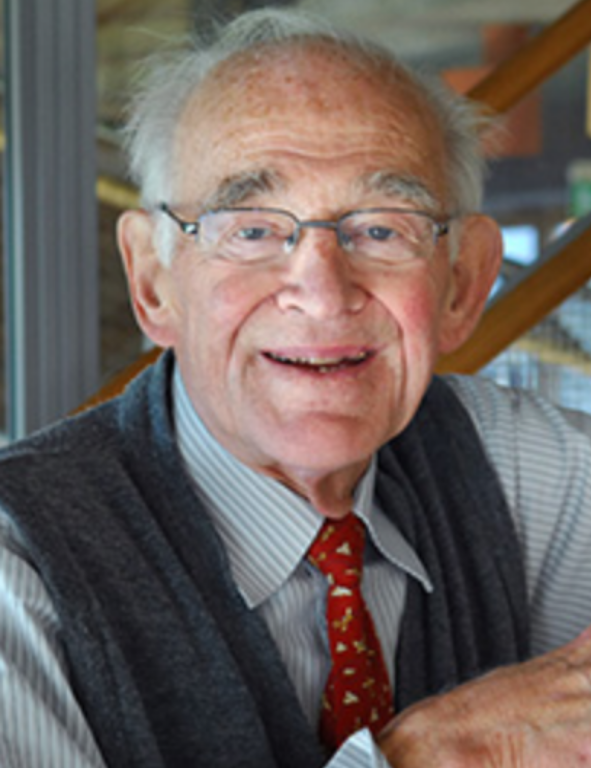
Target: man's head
{"type": "Point", "coordinates": [304, 361]}
{"type": "Point", "coordinates": [169, 82]}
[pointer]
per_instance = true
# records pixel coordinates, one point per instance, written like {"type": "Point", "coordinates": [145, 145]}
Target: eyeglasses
{"type": "Point", "coordinates": [255, 235]}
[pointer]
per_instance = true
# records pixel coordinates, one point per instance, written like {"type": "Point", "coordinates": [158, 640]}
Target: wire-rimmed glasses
{"type": "Point", "coordinates": [255, 235]}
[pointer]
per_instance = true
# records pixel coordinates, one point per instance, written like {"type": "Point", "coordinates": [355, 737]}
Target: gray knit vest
{"type": "Point", "coordinates": [170, 667]}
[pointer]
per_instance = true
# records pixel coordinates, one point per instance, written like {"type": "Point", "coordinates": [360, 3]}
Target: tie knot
{"type": "Point", "coordinates": [337, 551]}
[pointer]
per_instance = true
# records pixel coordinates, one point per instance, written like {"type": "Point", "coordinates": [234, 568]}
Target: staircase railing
{"type": "Point", "coordinates": [566, 267]}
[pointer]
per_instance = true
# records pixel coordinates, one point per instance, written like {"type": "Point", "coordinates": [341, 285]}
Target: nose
{"type": "Point", "coordinates": [319, 279]}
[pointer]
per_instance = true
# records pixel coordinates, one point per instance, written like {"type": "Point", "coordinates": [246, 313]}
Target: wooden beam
{"type": "Point", "coordinates": [549, 285]}
{"type": "Point", "coordinates": [543, 55]}
{"type": "Point", "coordinates": [539, 292]}
{"type": "Point", "coordinates": [116, 193]}
{"type": "Point", "coordinates": [120, 380]}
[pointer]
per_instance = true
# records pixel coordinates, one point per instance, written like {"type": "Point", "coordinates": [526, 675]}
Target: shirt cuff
{"type": "Point", "coordinates": [359, 751]}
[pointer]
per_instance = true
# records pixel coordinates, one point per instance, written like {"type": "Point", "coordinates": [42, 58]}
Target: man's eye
{"type": "Point", "coordinates": [254, 233]}
{"type": "Point", "coordinates": [381, 234]}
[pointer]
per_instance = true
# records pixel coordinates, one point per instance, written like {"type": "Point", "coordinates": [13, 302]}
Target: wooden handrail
{"type": "Point", "coordinates": [544, 287]}
{"type": "Point", "coordinates": [536, 61]}
{"type": "Point", "coordinates": [508, 319]}
{"type": "Point", "coordinates": [116, 193]}
{"type": "Point", "coordinates": [548, 285]}
{"type": "Point", "coordinates": [119, 381]}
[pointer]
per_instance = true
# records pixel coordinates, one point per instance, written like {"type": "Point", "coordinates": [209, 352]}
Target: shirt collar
{"type": "Point", "coordinates": [267, 528]}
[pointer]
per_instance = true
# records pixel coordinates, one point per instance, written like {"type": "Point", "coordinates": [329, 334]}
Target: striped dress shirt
{"type": "Point", "coordinates": [543, 459]}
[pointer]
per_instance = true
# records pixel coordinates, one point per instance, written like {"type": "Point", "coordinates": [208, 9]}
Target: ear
{"type": "Point", "coordinates": [480, 252]}
{"type": "Point", "coordinates": [150, 281]}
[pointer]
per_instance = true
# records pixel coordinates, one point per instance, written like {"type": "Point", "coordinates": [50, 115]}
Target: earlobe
{"type": "Point", "coordinates": [480, 252]}
{"type": "Point", "coordinates": [149, 280]}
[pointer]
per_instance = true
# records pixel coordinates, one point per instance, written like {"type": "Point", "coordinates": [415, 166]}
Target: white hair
{"type": "Point", "coordinates": [170, 80]}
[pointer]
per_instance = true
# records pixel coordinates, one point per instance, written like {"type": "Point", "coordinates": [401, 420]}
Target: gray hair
{"type": "Point", "coordinates": [172, 79]}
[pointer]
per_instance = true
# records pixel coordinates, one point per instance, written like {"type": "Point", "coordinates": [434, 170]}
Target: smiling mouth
{"type": "Point", "coordinates": [322, 365]}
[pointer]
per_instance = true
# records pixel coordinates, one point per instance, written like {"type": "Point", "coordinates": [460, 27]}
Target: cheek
{"type": "Point", "coordinates": [217, 306]}
{"type": "Point", "coordinates": [415, 304]}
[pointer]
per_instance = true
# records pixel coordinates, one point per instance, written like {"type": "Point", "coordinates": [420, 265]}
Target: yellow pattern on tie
{"type": "Point", "coordinates": [358, 692]}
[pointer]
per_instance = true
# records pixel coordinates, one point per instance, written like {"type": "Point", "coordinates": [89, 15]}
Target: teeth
{"type": "Point", "coordinates": [324, 364]}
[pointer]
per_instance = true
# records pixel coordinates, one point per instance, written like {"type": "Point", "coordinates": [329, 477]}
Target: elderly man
{"type": "Point", "coordinates": [287, 544]}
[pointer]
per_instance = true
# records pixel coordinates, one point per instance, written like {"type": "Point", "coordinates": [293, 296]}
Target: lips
{"type": "Point", "coordinates": [321, 363]}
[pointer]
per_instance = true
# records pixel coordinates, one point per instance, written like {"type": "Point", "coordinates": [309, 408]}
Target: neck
{"type": "Point", "coordinates": [330, 494]}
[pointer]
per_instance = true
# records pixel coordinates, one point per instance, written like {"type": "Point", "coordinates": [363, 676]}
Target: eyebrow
{"type": "Point", "coordinates": [393, 184]}
{"type": "Point", "coordinates": [238, 188]}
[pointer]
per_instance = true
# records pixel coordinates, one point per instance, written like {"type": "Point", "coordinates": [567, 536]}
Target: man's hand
{"type": "Point", "coordinates": [531, 715]}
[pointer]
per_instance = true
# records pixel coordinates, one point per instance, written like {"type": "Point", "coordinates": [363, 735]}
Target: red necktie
{"type": "Point", "coordinates": [357, 692]}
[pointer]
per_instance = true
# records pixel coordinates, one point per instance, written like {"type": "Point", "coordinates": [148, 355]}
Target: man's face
{"type": "Point", "coordinates": [304, 367]}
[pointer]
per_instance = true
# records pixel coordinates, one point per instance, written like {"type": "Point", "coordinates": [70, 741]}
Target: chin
{"type": "Point", "coordinates": [322, 449]}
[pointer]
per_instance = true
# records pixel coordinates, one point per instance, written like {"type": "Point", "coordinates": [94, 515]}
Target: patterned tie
{"type": "Point", "coordinates": [357, 692]}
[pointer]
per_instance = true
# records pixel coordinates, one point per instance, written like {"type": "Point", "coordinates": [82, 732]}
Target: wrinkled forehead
{"type": "Point", "coordinates": [299, 69]}
{"type": "Point", "coordinates": [319, 98]}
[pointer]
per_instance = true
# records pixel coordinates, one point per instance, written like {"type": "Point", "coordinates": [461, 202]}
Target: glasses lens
{"type": "Point", "coordinates": [246, 234]}
{"type": "Point", "coordinates": [389, 235]}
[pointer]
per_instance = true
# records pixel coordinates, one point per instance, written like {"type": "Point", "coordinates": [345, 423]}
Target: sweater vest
{"type": "Point", "coordinates": [170, 667]}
